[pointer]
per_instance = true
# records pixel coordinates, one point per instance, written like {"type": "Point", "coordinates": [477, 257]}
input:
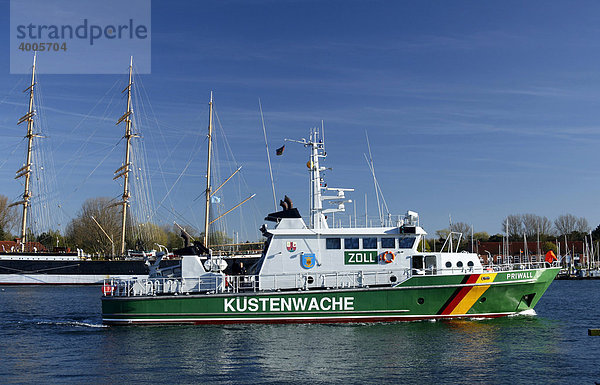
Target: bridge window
{"type": "Point", "coordinates": [388, 243]}
{"type": "Point", "coordinates": [417, 264]}
{"type": "Point", "coordinates": [407, 243]}
{"type": "Point", "coordinates": [430, 264]}
{"type": "Point", "coordinates": [333, 243]}
{"type": "Point", "coordinates": [351, 243]}
{"type": "Point", "coordinates": [369, 243]}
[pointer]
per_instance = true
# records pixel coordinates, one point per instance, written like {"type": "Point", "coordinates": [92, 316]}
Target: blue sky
{"type": "Point", "coordinates": [473, 109]}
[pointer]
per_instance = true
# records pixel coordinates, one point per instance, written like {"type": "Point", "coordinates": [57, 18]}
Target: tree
{"type": "Point", "coordinates": [549, 246]}
{"type": "Point", "coordinates": [83, 232]}
{"type": "Point", "coordinates": [147, 235]}
{"type": "Point", "coordinates": [565, 224]}
{"type": "Point", "coordinates": [458, 227]}
{"type": "Point", "coordinates": [535, 224]}
{"type": "Point", "coordinates": [529, 224]}
{"type": "Point", "coordinates": [515, 226]}
{"type": "Point", "coordinates": [481, 236]}
{"type": "Point", "coordinates": [596, 233]}
{"type": "Point", "coordinates": [8, 218]}
{"type": "Point", "coordinates": [582, 225]}
{"type": "Point", "coordinates": [571, 226]}
{"type": "Point", "coordinates": [545, 227]}
{"type": "Point", "coordinates": [174, 239]}
{"type": "Point", "coordinates": [424, 245]}
{"type": "Point", "coordinates": [5, 235]}
{"type": "Point", "coordinates": [442, 234]}
{"type": "Point", "coordinates": [461, 227]}
{"type": "Point", "coordinates": [217, 238]}
{"type": "Point", "coordinates": [496, 238]}
{"type": "Point", "coordinates": [49, 239]}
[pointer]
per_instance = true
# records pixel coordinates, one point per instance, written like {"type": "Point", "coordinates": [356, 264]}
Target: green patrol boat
{"type": "Point", "coordinates": [315, 273]}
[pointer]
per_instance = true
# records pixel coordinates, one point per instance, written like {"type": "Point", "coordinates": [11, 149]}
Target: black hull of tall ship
{"type": "Point", "coordinates": [68, 269]}
{"type": "Point", "coordinates": [39, 269]}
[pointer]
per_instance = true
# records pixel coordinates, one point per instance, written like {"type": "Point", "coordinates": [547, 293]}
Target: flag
{"type": "Point", "coordinates": [279, 151]}
{"type": "Point", "coordinates": [550, 256]}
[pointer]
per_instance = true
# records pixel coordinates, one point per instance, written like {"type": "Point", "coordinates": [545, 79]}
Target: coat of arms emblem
{"type": "Point", "coordinates": [290, 246]}
{"type": "Point", "coordinates": [307, 261]}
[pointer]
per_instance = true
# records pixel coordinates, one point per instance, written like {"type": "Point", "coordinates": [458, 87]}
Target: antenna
{"type": "Point", "coordinates": [318, 219]}
{"type": "Point", "coordinates": [472, 250]}
{"type": "Point", "coordinates": [355, 217]}
{"type": "Point", "coordinates": [378, 191]}
{"type": "Point", "coordinates": [323, 135]}
{"type": "Point", "coordinates": [370, 163]}
{"type": "Point", "coordinates": [366, 214]}
{"type": "Point", "coordinates": [268, 154]}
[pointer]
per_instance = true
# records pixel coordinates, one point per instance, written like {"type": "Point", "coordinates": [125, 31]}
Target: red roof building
{"type": "Point", "coordinates": [13, 246]}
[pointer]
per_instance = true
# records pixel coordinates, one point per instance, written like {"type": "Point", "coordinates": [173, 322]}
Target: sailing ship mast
{"type": "Point", "coordinates": [124, 170]}
{"type": "Point", "coordinates": [26, 169]}
{"type": "Point", "coordinates": [208, 186]}
{"type": "Point", "coordinates": [209, 191]}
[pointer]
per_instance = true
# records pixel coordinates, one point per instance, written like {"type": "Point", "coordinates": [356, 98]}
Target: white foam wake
{"type": "Point", "coordinates": [71, 323]}
{"type": "Point", "coordinates": [527, 313]}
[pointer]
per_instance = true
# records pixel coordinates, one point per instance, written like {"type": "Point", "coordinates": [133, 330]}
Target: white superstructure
{"type": "Point", "coordinates": [315, 255]}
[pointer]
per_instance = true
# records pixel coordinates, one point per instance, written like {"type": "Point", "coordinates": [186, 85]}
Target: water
{"type": "Point", "coordinates": [55, 335]}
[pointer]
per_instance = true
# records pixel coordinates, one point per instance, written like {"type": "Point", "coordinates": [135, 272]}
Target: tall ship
{"type": "Point", "coordinates": [24, 262]}
{"type": "Point", "coordinates": [310, 272]}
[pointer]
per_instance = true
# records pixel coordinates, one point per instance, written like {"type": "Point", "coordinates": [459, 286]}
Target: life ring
{"type": "Point", "coordinates": [388, 257]}
{"type": "Point", "coordinates": [107, 289]}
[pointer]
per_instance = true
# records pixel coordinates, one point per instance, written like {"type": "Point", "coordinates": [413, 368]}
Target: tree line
{"type": "Point", "coordinates": [530, 226]}
{"type": "Point", "coordinates": [96, 229]}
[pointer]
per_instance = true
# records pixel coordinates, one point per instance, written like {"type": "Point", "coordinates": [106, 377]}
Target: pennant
{"type": "Point", "coordinates": [279, 151]}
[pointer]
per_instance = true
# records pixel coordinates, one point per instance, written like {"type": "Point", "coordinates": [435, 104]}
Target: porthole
{"type": "Point", "coordinates": [310, 280]}
{"type": "Point", "coordinates": [470, 264]}
{"type": "Point", "coordinates": [459, 264]}
{"type": "Point", "coordinates": [393, 279]}
{"type": "Point", "coordinates": [421, 301]}
{"type": "Point", "coordinates": [482, 300]}
{"type": "Point", "coordinates": [448, 264]}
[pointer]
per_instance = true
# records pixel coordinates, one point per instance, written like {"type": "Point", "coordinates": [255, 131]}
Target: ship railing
{"type": "Point", "coordinates": [491, 268]}
{"type": "Point", "coordinates": [252, 283]}
{"type": "Point", "coordinates": [306, 281]}
{"type": "Point", "coordinates": [160, 286]}
{"type": "Point", "coordinates": [516, 266]}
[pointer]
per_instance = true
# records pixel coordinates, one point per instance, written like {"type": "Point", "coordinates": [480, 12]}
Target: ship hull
{"type": "Point", "coordinates": [69, 272]}
{"type": "Point", "coordinates": [418, 298]}
{"type": "Point", "coordinates": [61, 279]}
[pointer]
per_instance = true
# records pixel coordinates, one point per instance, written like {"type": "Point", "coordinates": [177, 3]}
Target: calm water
{"type": "Point", "coordinates": [54, 335]}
